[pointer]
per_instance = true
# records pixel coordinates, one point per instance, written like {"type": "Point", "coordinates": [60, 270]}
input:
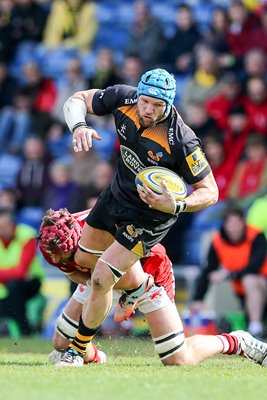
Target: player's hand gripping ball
{"type": "Point", "coordinates": [153, 176]}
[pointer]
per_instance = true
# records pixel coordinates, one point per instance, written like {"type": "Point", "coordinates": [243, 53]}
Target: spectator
{"type": "Point", "coordinates": [7, 86]}
{"type": "Point", "coordinates": [229, 94]}
{"type": "Point", "coordinates": [58, 141]}
{"type": "Point", "coordinates": [71, 24]}
{"type": "Point", "coordinates": [6, 49]}
{"type": "Point", "coordinates": [197, 118]}
{"type": "Point", "coordinates": [8, 200]}
{"type": "Point", "coordinates": [61, 191]}
{"type": "Point", "coordinates": [146, 38]}
{"type": "Point", "coordinates": [81, 163]}
{"type": "Point", "coordinates": [256, 104]}
{"type": "Point", "coordinates": [178, 54]}
{"type": "Point", "coordinates": [33, 176]}
{"type": "Point", "coordinates": [238, 128]}
{"type": "Point", "coordinates": [222, 164]}
{"type": "Point", "coordinates": [15, 123]}
{"type": "Point", "coordinates": [101, 178]}
{"type": "Point", "coordinates": [73, 81]}
{"type": "Point", "coordinates": [21, 271]}
{"type": "Point", "coordinates": [131, 70]}
{"type": "Point", "coordinates": [204, 83]}
{"type": "Point", "coordinates": [216, 37]}
{"type": "Point", "coordinates": [250, 176]}
{"type": "Point", "coordinates": [105, 70]}
{"type": "Point", "coordinates": [242, 28]}
{"type": "Point", "coordinates": [27, 22]}
{"type": "Point", "coordinates": [43, 92]}
{"type": "Point", "coordinates": [238, 253]}
{"type": "Point", "coordinates": [254, 64]}
{"type": "Point", "coordinates": [259, 38]}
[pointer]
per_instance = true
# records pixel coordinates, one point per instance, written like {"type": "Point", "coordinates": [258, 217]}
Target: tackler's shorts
{"type": "Point", "coordinates": [152, 300]}
{"type": "Point", "coordinates": [131, 228]}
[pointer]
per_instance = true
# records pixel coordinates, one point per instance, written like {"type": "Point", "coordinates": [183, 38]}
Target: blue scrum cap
{"type": "Point", "coordinates": [160, 84]}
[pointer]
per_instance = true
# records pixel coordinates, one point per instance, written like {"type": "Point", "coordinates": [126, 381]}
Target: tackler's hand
{"type": "Point", "coordinates": [82, 138]}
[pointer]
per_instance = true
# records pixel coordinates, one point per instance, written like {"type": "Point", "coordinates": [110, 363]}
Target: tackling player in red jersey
{"type": "Point", "coordinates": [58, 246]}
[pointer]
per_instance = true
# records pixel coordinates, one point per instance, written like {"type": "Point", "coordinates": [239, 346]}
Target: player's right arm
{"type": "Point", "coordinates": [75, 111]}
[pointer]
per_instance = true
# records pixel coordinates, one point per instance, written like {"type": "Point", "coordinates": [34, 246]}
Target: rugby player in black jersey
{"type": "Point", "coordinates": [125, 223]}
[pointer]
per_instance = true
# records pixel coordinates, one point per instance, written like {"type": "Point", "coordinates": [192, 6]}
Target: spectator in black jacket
{"type": "Point", "coordinates": [178, 52]}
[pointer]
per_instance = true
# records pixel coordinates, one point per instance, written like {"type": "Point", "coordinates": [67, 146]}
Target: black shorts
{"type": "Point", "coordinates": [130, 227]}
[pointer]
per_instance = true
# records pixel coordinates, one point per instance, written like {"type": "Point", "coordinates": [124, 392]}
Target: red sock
{"type": "Point", "coordinates": [95, 358]}
{"type": "Point", "coordinates": [230, 344]}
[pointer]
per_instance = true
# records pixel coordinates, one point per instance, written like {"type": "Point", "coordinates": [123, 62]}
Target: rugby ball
{"type": "Point", "coordinates": [153, 176]}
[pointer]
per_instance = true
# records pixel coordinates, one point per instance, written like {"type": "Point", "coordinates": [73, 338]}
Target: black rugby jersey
{"type": "Point", "coordinates": [170, 144]}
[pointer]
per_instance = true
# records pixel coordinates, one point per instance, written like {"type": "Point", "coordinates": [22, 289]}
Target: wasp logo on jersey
{"type": "Point", "coordinates": [153, 156]}
{"type": "Point", "coordinates": [133, 231]}
{"type": "Point", "coordinates": [196, 161]}
{"type": "Point", "coordinates": [131, 160]}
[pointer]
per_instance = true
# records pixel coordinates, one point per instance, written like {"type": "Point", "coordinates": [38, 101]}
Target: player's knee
{"type": "Point", "coordinates": [101, 280]}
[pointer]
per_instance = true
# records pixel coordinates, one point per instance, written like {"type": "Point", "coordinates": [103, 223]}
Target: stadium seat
{"type": "Point", "coordinates": [30, 216]}
{"type": "Point", "coordinates": [112, 37]}
{"type": "Point", "coordinates": [9, 175]}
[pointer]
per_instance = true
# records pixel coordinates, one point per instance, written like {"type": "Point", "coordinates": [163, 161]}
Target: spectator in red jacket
{"type": "Point", "coordinates": [259, 38]}
{"type": "Point", "coordinates": [223, 164]}
{"type": "Point", "coordinates": [250, 176]}
{"type": "Point", "coordinates": [43, 92]}
{"type": "Point", "coordinates": [229, 95]}
{"type": "Point", "coordinates": [256, 104]}
{"type": "Point", "coordinates": [241, 28]}
{"type": "Point", "coordinates": [237, 130]}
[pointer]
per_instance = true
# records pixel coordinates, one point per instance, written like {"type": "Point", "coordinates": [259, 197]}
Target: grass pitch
{"type": "Point", "coordinates": [133, 371]}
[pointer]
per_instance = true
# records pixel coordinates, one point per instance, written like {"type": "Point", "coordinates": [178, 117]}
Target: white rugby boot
{"type": "Point", "coordinates": [255, 350]}
{"type": "Point", "coordinates": [56, 356]}
{"type": "Point", "coordinates": [127, 302]}
{"type": "Point", "coordinates": [71, 358]}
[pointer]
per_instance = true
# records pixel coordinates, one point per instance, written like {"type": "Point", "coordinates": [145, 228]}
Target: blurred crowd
{"type": "Point", "coordinates": [217, 51]}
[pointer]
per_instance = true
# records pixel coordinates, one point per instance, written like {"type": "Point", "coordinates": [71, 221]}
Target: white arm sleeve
{"type": "Point", "coordinates": [74, 112]}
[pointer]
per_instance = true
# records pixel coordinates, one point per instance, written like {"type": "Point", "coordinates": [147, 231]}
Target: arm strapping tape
{"type": "Point", "coordinates": [75, 112]}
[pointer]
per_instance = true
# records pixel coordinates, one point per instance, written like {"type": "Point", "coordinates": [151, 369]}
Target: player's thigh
{"type": "Point", "coordinates": [92, 241]}
{"type": "Point", "coordinates": [112, 266]}
{"type": "Point", "coordinates": [132, 279]}
{"type": "Point", "coordinates": [163, 321]}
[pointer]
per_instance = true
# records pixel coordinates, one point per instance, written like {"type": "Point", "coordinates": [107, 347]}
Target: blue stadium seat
{"type": "Point", "coordinates": [54, 61]}
{"type": "Point", "coordinates": [30, 216]}
{"type": "Point", "coordinates": [25, 53]}
{"type": "Point", "coordinates": [112, 37]}
{"type": "Point", "coordinates": [191, 243]}
{"type": "Point", "coordinates": [9, 169]}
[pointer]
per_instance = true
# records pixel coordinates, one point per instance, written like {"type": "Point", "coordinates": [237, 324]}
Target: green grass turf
{"type": "Point", "coordinates": [133, 371]}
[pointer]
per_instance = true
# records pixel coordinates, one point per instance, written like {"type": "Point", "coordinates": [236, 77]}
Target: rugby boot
{"type": "Point", "coordinates": [253, 349]}
{"type": "Point", "coordinates": [127, 302]}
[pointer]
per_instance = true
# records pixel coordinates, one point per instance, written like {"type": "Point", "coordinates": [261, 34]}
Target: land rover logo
{"type": "Point", "coordinates": [131, 160]}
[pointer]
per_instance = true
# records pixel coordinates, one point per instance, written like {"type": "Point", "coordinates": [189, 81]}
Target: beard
{"type": "Point", "coordinates": [148, 123]}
